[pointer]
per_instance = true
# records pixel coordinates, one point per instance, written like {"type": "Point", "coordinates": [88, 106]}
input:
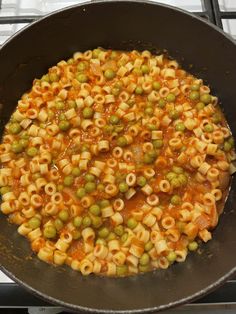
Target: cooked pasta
{"type": "Point", "coordinates": [116, 163]}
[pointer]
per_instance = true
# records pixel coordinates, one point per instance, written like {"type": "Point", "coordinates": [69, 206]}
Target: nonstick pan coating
{"type": "Point", "coordinates": [201, 49]}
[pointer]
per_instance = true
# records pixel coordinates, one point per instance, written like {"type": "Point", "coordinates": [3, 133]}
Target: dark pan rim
{"type": "Point", "coordinates": [179, 302]}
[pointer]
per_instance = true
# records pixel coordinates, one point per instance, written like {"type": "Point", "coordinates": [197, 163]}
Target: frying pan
{"type": "Point", "coordinates": [201, 49]}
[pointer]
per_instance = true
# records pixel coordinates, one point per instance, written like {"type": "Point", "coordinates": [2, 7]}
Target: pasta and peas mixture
{"type": "Point", "coordinates": [115, 163]}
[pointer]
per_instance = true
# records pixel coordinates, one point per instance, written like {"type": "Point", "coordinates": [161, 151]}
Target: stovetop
{"type": "Point", "coordinates": [15, 14]}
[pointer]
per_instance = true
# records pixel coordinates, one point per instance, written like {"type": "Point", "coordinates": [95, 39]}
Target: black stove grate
{"type": "Point", "coordinates": [219, 15]}
{"type": "Point", "coordinates": [211, 12]}
{"type": "Point", "coordinates": [12, 295]}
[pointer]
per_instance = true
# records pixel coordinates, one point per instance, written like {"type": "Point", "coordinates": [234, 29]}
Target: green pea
{"type": "Point", "coordinates": [101, 242]}
{"type": "Point", "coordinates": [171, 175]}
{"type": "Point", "coordinates": [182, 179]}
{"type": "Point", "coordinates": [75, 172]}
{"type": "Point", "coordinates": [104, 203]}
{"type": "Point", "coordinates": [71, 103]}
{"type": "Point", "coordinates": [152, 153]}
{"type": "Point", "coordinates": [45, 78]}
{"type": "Point", "coordinates": [227, 146]}
{"type": "Point", "coordinates": [62, 117]}
{"type": "Point", "coordinates": [194, 95]}
{"type": "Point", "coordinates": [149, 104]}
{"type": "Point", "coordinates": [82, 78]}
{"type": "Point", "coordinates": [68, 180]}
{"type": "Point", "coordinates": [156, 85]}
{"type": "Point", "coordinates": [180, 225]}
{"type": "Point", "coordinates": [70, 61]}
{"type": "Point", "coordinates": [24, 143]}
{"type": "Point", "coordinates": [114, 119]}
{"type": "Point", "coordinates": [161, 103]}
{"type": "Point", "coordinates": [216, 118]}
{"type": "Point", "coordinates": [170, 97]}
{"type": "Point", "coordinates": [121, 270]}
{"type": "Point", "coordinates": [53, 77]}
{"type": "Point", "coordinates": [137, 71]}
{"type": "Point", "coordinates": [175, 200]}
{"type": "Point", "coordinates": [119, 230]}
{"type": "Point", "coordinates": [151, 127]}
{"type": "Point", "coordinates": [200, 106]}
{"type": "Point", "coordinates": [149, 111]}
{"type": "Point", "coordinates": [24, 136]}
{"type": "Point", "coordinates": [60, 105]}
{"type": "Point", "coordinates": [177, 169]}
{"type": "Point", "coordinates": [124, 237]}
{"type": "Point", "coordinates": [103, 233]}
{"type": "Point", "coordinates": [80, 192]}
{"type": "Point", "coordinates": [180, 127]}
{"type": "Point", "coordinates": [147, 159]}
{"type": "Point", "coordinates": [64, 215]}
{"type": "Point", "coordinates": [193, 246]}
{"type": "Point", "coordinates": [122, 141]}
{"type": "Point", "coordinates": [58, 224]}
{"type": "Point", "coordinates": [120, 177]}
{"type": "Point", "coordinates": [90, 187]}
{"type": "Point", "coordinates": [175, 182]}
{"type": "Point", "coordinates": [50, 232]}
{"type": "Point", "coordinates": [145, 69]}
{"type": "Point", "coordinates": [144, 259]}
{"type": "Point", "coordinates": [95, 210]}
{"type": "Point", "coordinates": [141, 181]}
{"type": "Point", "coordinates": [231, 141]}
{"type": "Point", "coordinates": [34, 222]}
{"type": "Point", "coordinates": [16, 147]}
{"type": "Point", "coordinates": [109, 74]}
{"type": "Point", "coordinates": [100, 187]}
{"type": "Point", "coordinates": [111, 236]}
{"type": "Point", "coordinates": [60, 187]}
{"type": "Point", "coordinates": [42, 125]}
{"type": "Point", "coordinates": [148, 246]}
{"type": "Point", "coordinates": [123, 187]}
{"type": "Point", "coordinates": [115, 134]}
{"type": "Point", "coordinates": [51, 114]}
{"type": "Point", "coordinates": [131, 102]}
{"type": "Point", "coordinates": [113, 55]}
{"type": "Point", "coordinates": [76, 234]}
{"type": "Point", "coordinates": [89, 177]}
{"type": "Point", "coordinates": [119, 128]}
{"type": "Point", "coordinates": [84, 148]}
{"type": "Point", "coordinates": [14, 128]}
{"type": "Point", "coordinates": [87, 112]}
{"type": "Point", "coordinates": [64, 125]}
{"type": "Point", "coordinates": [119, 84]}
{"type": "Point", "coordinates": [208, 128]}
{"type": "Point", "coordinates": [77, 221]}
{"type": "Point", "coordinates": [173, 114]}
{"type": "Point", "coordinates": [144, 269]}
{"type": "Point", "coordinates": [195, 87]}
{"type": "Point", "coordinates": [171, 257]}
{"type": "Point", "coordinates": [96, 221]}
{"type": "Point", "coordinates": [86, 221]}
{"type": "Point", "coordinates": [81, 66]}
{"type": "Point", "coordinates": [138, 90]}
{"type": "Point", "coordinates": [205, 98]}
{"type": "Point", "coordinates": [115, 91]}
{"type": "Point", "coordinates": [157, 143]}
{"type": "Point", "coordinates": [96, 53]}
{"type": "Point", "coordinates": [132, 223]}
{"type": "Point", "coordinates": [108, 129]}
{"type": "Point", "coordinates": [4, 190]}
